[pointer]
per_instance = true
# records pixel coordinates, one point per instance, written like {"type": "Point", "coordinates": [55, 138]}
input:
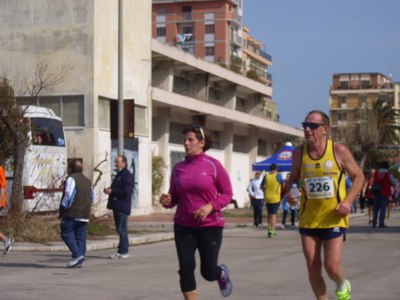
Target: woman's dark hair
{"type": "Point", "coordinates": [199, 131]}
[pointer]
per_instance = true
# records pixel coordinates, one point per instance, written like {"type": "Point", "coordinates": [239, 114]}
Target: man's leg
{"type": "Point", "coordinates": [384, 200]}
{"type": "Point", "coordinates": [376, 210]}
{"type": "Point", "coordinates": [312, 252]}
{"type": "Point", "coordinates": [68, 236]}
{"type": "Point", "coordinates": [332, 256]}
{"type": "Point", "coordinates": [80, 236]}
{"type": "Point", "coordinates": [121, 225]}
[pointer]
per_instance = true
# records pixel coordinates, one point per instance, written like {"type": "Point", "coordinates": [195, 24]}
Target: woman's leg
{"type": "Point", "coordinates": [186, 244]}
{"type": "Point", "coordinates": [209, 242]}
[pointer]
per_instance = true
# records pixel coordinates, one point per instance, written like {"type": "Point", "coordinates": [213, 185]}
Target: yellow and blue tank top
{"type": "Point", "coordinates": [272, 193]}
{"type": "Point", "coordinates": [324, 188]}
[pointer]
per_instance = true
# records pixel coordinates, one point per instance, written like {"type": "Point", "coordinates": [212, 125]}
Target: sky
{"type": "Point", "coordinates": [310, 40]}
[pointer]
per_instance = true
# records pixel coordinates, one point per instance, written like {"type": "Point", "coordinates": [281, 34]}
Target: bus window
{"type": "Point", "coordinates": [47, 132]}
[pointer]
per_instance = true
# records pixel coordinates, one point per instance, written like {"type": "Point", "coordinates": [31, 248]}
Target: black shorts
{"type": "Point", "coordinates": [370, 201]}
{"type": "Point", "coordinates": [324, 233]}
{"type": "Point", "coordinates": [273, 208]}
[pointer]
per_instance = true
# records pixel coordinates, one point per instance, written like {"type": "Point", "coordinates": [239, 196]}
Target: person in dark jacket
{"type": "Point", "coordinates": [120, 201]}
{"type": "Point", "coordinates": [381, 201]}
{"type": "Point", "coordinates": [75, 212]}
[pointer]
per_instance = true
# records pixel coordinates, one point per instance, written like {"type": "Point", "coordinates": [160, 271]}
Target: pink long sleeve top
{"type": "Point", "coordinates": [196, 182]}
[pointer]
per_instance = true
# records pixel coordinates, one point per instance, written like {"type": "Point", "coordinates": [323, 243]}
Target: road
{"type": "Point", "coordinates": [261, 268]}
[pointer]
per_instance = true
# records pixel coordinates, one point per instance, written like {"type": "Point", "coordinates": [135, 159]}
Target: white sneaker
{"type": "Point", "coordinates": [8, 245]}
{"type": "Point", "coordinates": [282, 227]}
{"type": "Point", "coordinates": [118, 255]}
{"type": "Point", "coordinates": [75, 261]}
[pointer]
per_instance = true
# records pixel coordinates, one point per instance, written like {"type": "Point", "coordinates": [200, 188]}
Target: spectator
{"type": "Point", "coordinates": [257, 198]}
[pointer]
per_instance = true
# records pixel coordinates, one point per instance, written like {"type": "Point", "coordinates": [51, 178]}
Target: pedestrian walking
{"type": "Point", "coordinates": [74, 212]}
{"type": "Point", "coordinates": [272, 184]}
{"type": "Point", "coordinates": [381, 200]}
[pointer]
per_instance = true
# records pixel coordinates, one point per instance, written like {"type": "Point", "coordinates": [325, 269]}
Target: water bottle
{"type": "Point", "coordinates": [294, 191]}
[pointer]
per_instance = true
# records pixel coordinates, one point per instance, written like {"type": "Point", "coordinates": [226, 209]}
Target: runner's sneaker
{"type": "Point", "coordinates": [345, 294]}
{"type": "Point", "coordinates": [225, 284]}
{"type": "Point", "coordinates": [282, 227]}
{"type": "Point", "coordinates": [272, 234]}
{"type": "Point", "coordinates": [8, 245]}
{"type": "Point", "coordinates": [118, 255]}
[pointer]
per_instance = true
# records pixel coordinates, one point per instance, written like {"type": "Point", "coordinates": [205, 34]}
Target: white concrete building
{"type": "Point", "coordinates": [190, 90]}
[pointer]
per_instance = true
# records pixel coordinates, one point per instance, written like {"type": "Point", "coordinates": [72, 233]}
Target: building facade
{"type": "Point", "coordinates": [351, 91]}
{"type": "Point", "coordinates": [165, 88]}
{"type": "Point", "coordinates": [189, 90]}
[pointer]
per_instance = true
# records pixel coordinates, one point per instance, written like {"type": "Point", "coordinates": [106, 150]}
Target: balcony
{"type": "Point", "coordinates": [235, 39]}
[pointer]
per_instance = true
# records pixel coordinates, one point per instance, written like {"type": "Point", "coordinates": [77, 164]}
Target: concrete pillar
{"type": "Point", "coordinates": [252, 147]}
{"type": "Point", "coordinates": [226, 141]}
{"type": "Point", "coordinates": [161, 131]}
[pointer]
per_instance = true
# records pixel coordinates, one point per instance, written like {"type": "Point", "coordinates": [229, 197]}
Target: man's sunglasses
{"type": "Point", "coordinates": [312, 126]}
{"type": "Point", "coordinates": [200, 129]}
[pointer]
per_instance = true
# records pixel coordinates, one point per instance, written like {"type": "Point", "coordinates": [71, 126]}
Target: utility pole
{"type": "Point", "coordinates": [120, 80]}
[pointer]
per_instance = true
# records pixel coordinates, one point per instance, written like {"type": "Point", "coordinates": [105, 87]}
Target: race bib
{"type": "Point", "coordinates": [319, 187]}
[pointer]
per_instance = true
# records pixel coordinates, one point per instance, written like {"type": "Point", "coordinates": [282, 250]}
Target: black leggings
{"type": "Point", "coordinates": [208, 241]}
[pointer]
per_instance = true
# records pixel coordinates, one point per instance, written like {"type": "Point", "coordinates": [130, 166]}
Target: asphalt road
{"type": "Point", "coordinates": [260, 268]}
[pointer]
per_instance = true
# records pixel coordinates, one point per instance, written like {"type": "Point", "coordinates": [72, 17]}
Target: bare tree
{"type": "Point", "coordinates": [46, 78]}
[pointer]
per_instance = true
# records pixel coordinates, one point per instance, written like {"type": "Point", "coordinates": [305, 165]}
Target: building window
{"type": "Point", "coordinates": [342, 116]}
{"type": "Point", "coordinates": [365, 84]}
{"type": "Point", "coordinates": [161, 31]}
{"type": "Point", "coordinates": [71, 109]}
{"type": "Point", "coordinates": [210, 28]}
{"type": "Point", "coordinates": [162, 10]}
{"type": "Point", "coordinates": [342, 99]}
{"type": "Point", "coordinates": [175, 133]}
{"type": "Point", "coordinates": [239, 143]}
{"type": "Point", "coordinates": [209, 51]}
{"type": "Point", "coordinates": [186, 12]}
{"type": "Point", "coordinates": [362, 100]}
{"type": "Point", "coordinates": [240, 104]}
{"type": "Point", "coordinates": [344, 85]}
{"type": "Point", "coordinates": [262, 148]}
{"type": "Point", "coordinates": [215, 137]}
{"type": "Point", "coordinates": [176, 157]}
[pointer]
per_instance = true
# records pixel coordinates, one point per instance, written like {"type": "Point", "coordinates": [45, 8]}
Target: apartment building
{"type": "Point", "coordinates": [356, 90]}
{"type": "Point", "coordinates": [189, 90]}
{"type": "Point", "coordinates": [213, 30]}
{"type": "Point", "coordinates": [210, 29]}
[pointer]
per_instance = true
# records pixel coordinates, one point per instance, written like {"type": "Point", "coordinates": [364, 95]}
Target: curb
{"type": "Point", "coordinates": [96, 245]}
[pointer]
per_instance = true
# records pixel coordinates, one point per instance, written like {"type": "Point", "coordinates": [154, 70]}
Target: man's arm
{"type": "Point", "coordinates": [69, 193]}
{"type": "Point", "coordinates": [347, 163]}
{"type": "Point", "coordinates": [294, 175]}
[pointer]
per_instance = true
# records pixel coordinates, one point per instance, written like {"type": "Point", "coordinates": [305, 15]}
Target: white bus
{"type": "Point", "coordinates": [45, 162]}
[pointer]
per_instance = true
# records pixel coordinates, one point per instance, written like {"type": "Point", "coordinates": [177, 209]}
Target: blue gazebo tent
{"type": "Point", "coordinates": [283, 158]}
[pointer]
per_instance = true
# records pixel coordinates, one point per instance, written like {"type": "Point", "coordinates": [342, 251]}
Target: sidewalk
{"type": "Point", "coordinates": [152, 228]}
